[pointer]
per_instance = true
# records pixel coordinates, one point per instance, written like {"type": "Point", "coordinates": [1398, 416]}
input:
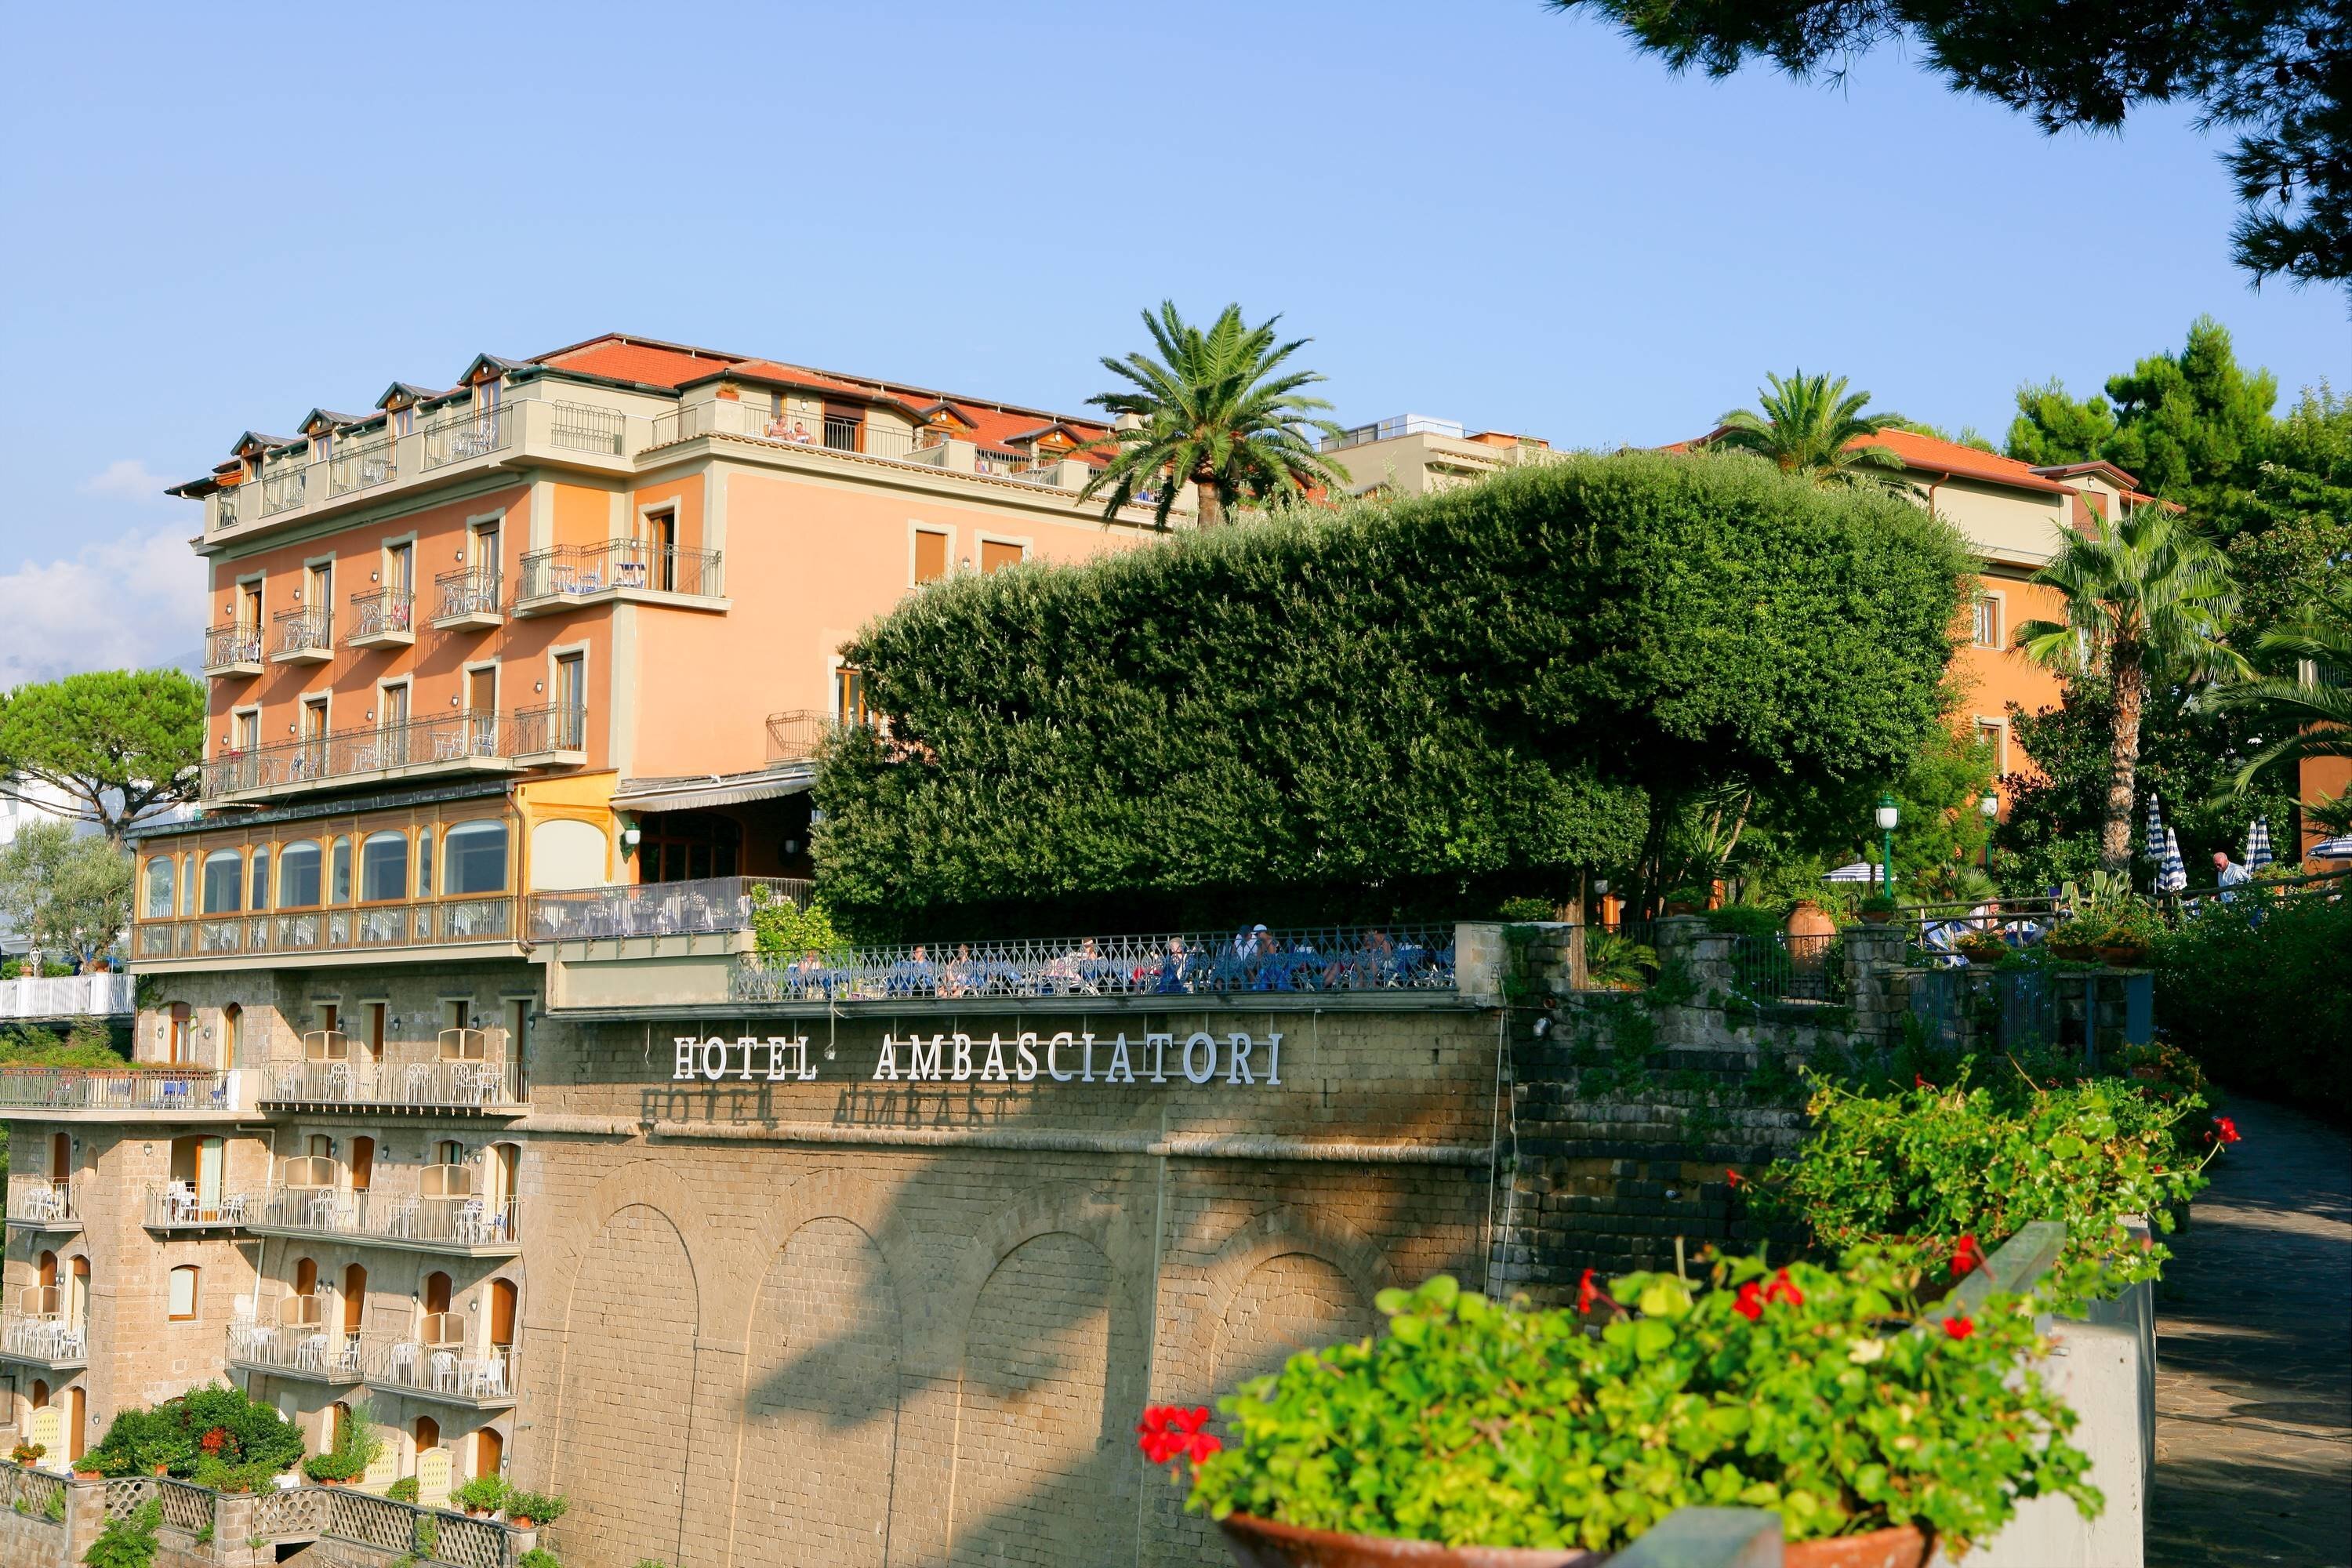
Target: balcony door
{"type": "Point", "coordinates": [78, 1293]}
{"type": "Point", "coordinates": [661, 549]}
{"type": "Point", "coordinates": [354, 1299]}
{"type": "Point", "coordinates": [502, 1314]}
{"type": "Point", "coordinates": [375, 1022]}
{"type": "Point", "coordinates": [319, 594]}
{"type": "Point", "coordinates": [482, 710]}
{"type": "Point", "coordinates": [248, 607]}
{"type": "Point", "coordinates": [211, 1156]}
{"type": "Point", "coordinates": [392, 708]}
{"type": "Point", "coordinates": [184, 1019]}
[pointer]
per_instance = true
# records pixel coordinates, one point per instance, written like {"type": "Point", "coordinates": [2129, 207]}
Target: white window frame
{"type": "Point", "coordinates": [1999, 601]}
{"type": "Point", "coordinates": [1997, 730]}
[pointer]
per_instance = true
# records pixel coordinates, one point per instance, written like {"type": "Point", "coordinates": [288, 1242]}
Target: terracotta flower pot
{"type": "Point", "coordinates": [1809, 919]}
{"type": "Point", "coordinates": [1262, 1543]}
{"type": "Point", "coordinates": [522, 1522]}
{"type": "Point", "coordinates": [1877, 917]}
{"type": "Point", "coordinates": [1905, 1546]}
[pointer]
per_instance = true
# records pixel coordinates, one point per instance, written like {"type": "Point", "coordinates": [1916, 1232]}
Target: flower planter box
{"type": "Point", "coordinates": [1262, 1543]}
{"type": "Point", "coordinates": [1903, 1547]}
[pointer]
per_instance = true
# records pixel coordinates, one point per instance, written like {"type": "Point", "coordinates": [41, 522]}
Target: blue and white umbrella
{"type": "Point", "coordinates": [2156, 837]}
{"type": "Point", "coordinates": [2338, 848]}
{"type": "Point", "coordinates": [2171, 875]}
{"type": "Point", "coordinates": [2258, 844]}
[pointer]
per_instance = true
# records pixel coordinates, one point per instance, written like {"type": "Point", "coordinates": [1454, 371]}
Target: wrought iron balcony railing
{"type": "Point", "coordinates": [229, 647]}
{"type": "Point", "coordinates": [43, 1202]}
{"type": "Point", "coordinates": [449, 740]}
{"type": "Point", "coordinates": [464, 593]}
{"type": "Point", "coordinates": [453, 437]}
{"type": "Point", "coordinates": [364, 464]}
{"type": "Point", "coordinates": [659, 909]}
{"type": "Point", "coordinates": [483, 1376]}
{"type": "Point", "coordinates": [537, 732]}
{"type": "Point", "coordinates": [438, 1085]}
{"type": "Point", "coordinates": [160, 1091]}
{"type": "Point", "coordinates": [308, 631]}
{"type": "Point", "coordinates": [578, 571]}
{"type": "Point", "coordinates": [385, 614]}
{"type": "Point", "coordinates": [1367, 958]}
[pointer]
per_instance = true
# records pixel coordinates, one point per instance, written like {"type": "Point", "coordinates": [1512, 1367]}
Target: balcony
{"type": "Point", "coordinates": [126, 1094]}
{"type": "Point", "coordinates": [52, 997]}
{"type": "Point", "coordinates": [437, 1363]}
{"type": "Point", "coordinates": [226, 509]}
{"type": "Point", "coordinates": [179, 1208]}
{"type": "Point", "coordinates": [285, 489]}
{"type": "Point", "coordinates": [385, 618]}
{"type": "Point", "coordinates": [467, 1071]}
{"type": "Point", "coordinates": [291, 1339]}
{"type": "Point", "coordinates": [467, 601]}
{"type": "Point", "coordinates": [574, 575]}
{"type": "Point", "coordinates": [421, 924]}
{"type": "Point", "coordinates": [43, 1202]}
{"type": "Point", "coordinates": [43, 1328]}
{"type": "Point", "coordinates": [462, 742]}
{"type": "Point", "coordinates": [303, 637]}
{"type": "Point", "coordinates": [440, 1211]}
{"type": "Point", "coordinates": [712, 905]}
{"type": "Point", "coordinates": [550, 736]}
{"type": "Point", "coordinates": [362, 466]}
{"type": "Point", "coordinates": [233, 651]}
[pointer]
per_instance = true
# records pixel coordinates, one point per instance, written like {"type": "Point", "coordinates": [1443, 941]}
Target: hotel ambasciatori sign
{"type": "Point", "coordinates": [1064, 1057]}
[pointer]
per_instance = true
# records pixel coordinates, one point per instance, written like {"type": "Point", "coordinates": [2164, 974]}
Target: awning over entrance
{"type": "Point", "coordinates": [697, 791]}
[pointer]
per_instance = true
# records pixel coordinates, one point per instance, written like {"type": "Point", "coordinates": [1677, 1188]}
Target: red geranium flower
{"type": "Point", "coordinates": [2228, 1129]}
{"type": "Point", "coordinates": [1586, 1292]}
{"type": "Point", "coordinates": [1784, 1289]}
{"type": "Point", "coordinates": [211, 1441]}
{"type": "Point", "coordinates": [1170, 1432]}
{"type": "Point", "coordinates": [1734, 1177]}
{"type": "Point", "coordinates": [1750, 1304]}
{"type": "Point", "coordinates": [1957, 1327]}
{"type": "Point", "coordinates": [1917, 1081]}
{"type": "Point", "coordinates": [1966, 1256]}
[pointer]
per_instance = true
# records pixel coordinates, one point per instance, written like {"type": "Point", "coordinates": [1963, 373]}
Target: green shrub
{"type": "Point", "coordinates": [539, 1508]}
{"type": "Point", "coordinates": [1527, 910]}
{"type": "Point", "coordinates": [1747, 920]}
{"type": "Point", "coordinates": [1797, 1390]}
{"type": "Point", "coordinates": [1419, 708]}
{"type": "Point", "coordinates": [127, 1542]}
{"type": "Point", "coordinates": [1932, 1164]}
{"type": "Point", "coordinates": [488, 1494]}
{"type": "Point", "coordinates": [334, 1466]}
{"type": "Point", "coordinates": [403, 1490]}
{"type": "Point", "coordinates": [538, 1557]}
{"type": "Point", "coordinates": [1611, 958]}
{"type": "Point", "coordinates": [2261, 994]}
{"type": "Point", "coordinates": [782, 929]}
{"type": "Point", "coordinates": [214, 1423]}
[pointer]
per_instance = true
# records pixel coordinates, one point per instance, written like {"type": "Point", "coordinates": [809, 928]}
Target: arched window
{"type": "Point", "coordinates": [449, 1151]}
{"type": "Point", "coordinates": [183, 1298]}
{"type": "Point", "coordinates": [40, 1394]}
{"type": "Point", "coordinates": [159, 887]}
{"type": "Point", "coordinates": [436, 1292]}
{"type": "Point", "coordinates": [354, 1298]}
{"type": "Point", "coordinates": [489, 1452]}
{"type": "Point", "coordinates": [223, 881]}
{"type": "Point", "coordinates": [362, 1163]}
{"type": "Point", "coordinates": [339, 876]}
{"type": "Point", "coordinates": [474, 858]}
{"type": "Point", "coordinates": [297, 874]}
{"type": "Point", "coordinates": [232, 1034]}
{"type": "Point", "coordinates": [425, 863]}
{"type": "Point", "coordinates": [319, 1147]}
{"type": "Point", "coordinates": [427, 1433]}
{"type": "Point", "coordinates": [384, 867]}
{"type": "Point", "coordinates": [306, 1276]}
{"type": "Point", "coordinates": [260, 897]}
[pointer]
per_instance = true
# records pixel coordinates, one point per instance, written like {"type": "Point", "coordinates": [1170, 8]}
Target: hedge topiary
{"type": "Point", "coordinates": [1422, 707]}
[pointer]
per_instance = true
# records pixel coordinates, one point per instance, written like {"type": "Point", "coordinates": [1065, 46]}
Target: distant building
{"type": "Point", "coordinates": [1414, 455]}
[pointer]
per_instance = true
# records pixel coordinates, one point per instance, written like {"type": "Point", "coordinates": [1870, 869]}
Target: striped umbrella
{"type": "Point", "coordinates": [2171, 875]}
{"type": "Point", "coordinates": [2155, 832]}
{"type": "Point", "coordinates": [2258, 844]}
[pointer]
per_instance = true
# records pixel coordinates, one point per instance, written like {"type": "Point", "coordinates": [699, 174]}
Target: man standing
{"type": "Point", "coordinates": [2226, 872]}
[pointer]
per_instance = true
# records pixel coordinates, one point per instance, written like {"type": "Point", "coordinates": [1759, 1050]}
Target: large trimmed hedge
{"type": "Point", "coordinates": [1381, 710]}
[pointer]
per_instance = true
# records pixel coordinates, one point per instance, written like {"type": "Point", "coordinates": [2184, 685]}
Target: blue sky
{"type": "Point", "coordinates": [1482, 211]}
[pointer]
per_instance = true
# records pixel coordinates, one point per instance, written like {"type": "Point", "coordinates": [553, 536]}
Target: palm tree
{"type": "Point", "coordinates": [2314, 700]}
{"type": "Point", "coordinates": [1210, 411]}
{"type": "Point", "coordinates": [1811, 427]}
{"type": "Point", "coordinates": [2147, 599]}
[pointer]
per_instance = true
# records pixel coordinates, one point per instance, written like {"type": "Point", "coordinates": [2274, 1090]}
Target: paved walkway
{"type": "Point", "coordinates": [2253, 1388]}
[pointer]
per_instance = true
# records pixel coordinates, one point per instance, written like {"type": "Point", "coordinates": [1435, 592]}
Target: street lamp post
{"type": "Point", "coordinates": [1887, 817]}
{"type": "Point", "coordinates": [1990, 807]}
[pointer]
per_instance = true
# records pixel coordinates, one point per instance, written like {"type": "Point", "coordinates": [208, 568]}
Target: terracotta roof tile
{"type": "Point", "coordinates": [624, 361]}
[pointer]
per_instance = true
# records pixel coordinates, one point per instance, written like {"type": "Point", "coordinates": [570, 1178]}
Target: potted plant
{"type": "Point", "coordinates": [403, 1490]}
{"type": "Point", "coordinates": [525, 1509]}
{"type": "Point", "coordinates": [332, 1468]}
{"type": "Point", "coordinates": [1687, 901]}
{"type": "Point", "coordinates": [482, 1496]}
{"type": "Point", "coordinates": [1765, 1387]}
{"type": "Point", "coordinates": [1982, 947]}
{"type": "Point", "coordinates": [2133, 929]}
{"type": "Point", "coordinates": [26, 1452]}
{"type": "Point", "coordinates": [1615, 962]}
{"type": "Point", "coordinates": [1879, 908]}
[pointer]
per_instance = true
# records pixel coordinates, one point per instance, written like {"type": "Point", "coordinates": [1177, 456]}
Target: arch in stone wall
{"type": "Point", "coordinates": [1042, 1474]}
{"type": "Point", "coordinates": [823, 1366]}
{"type": "Point", "coordinates": [625, 1405]}
{"type": "Point", "coordinates": [1292, 1276]}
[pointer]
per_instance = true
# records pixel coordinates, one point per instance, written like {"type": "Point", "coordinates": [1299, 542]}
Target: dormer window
{"type": "Point", "coordinates": [403, 419]}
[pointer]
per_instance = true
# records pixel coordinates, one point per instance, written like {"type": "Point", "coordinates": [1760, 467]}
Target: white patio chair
{"type": "Point", "coordinates": [444, 1364]}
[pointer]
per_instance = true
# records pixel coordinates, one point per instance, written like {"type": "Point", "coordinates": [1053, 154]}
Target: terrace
{"type": "Point", "coordinates": [461, 743]}
{"type": "Point", "coordinates": [291, 1338]}
{"type": "Point", "coordinates": [711, 905]}
{"type": "Point", "coordinates": [438, 1363]}
{"type": "Point", "coordinates": [43, 1328]}
{"type": "Point", "coordinates": [444, 1211]}
{"type": "Point", "coordinates": [126, 1094]}
{"type": "Point", "coordinates": [469, 1070]}
{"type": "Point", "coordinates": [1370, 961]}
{"type": "Point", "coordinates": [233, 651]}
{"type": "Point", "coordinates": [43, 1202]}
{"type": "Point", "coordinates": [617, 569]}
